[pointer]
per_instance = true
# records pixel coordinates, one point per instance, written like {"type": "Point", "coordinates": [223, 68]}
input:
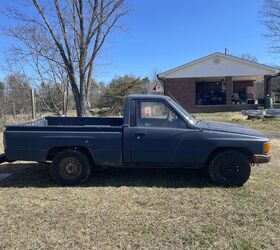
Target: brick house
{"type": "Point", "coordinates": [217, 82]}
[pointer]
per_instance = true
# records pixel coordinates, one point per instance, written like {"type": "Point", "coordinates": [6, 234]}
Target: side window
{"type": "Point", "coordinates": [157, 114]}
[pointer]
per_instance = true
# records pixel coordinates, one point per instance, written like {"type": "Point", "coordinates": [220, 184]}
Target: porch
{"type": "Point", "coordinates": [226, 90]}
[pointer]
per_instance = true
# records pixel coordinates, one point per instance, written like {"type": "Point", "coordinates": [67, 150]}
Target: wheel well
{"type": "Point", "coordinates": [216, 151]}
{"type": "Point", "coordinates": [54, 151]}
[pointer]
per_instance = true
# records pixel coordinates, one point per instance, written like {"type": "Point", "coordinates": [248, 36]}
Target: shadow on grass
{"type": "Point", "coordinates": [38, 175]}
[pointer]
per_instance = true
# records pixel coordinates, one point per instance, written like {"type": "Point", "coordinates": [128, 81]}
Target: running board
{"type": "Point", "coordinates": [3, 158]}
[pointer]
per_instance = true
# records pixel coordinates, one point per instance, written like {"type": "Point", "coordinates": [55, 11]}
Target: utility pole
{"type": "Point", "coordinates": [226, 51]}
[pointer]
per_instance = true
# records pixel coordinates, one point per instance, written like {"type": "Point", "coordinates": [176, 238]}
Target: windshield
{"type": "Point", "coordinates": [183, 112]}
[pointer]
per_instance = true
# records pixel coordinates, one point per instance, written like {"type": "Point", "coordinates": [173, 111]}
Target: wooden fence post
{"type": "Point", "coordinates": [33, 104]}
{"type": "Point", "coordinates": [65, 99]}
{"type": "Point", "coordinates": [14, 111]}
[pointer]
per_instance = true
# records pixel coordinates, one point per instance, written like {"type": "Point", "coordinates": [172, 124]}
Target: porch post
{"type": "Point", "coordinates": [229, 92]}
{"type": "Point", "coordinates": [267, 85]}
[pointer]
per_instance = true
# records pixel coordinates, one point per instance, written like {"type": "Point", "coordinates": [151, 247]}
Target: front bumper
{"type": "Point", "coordinates": [259, 159]}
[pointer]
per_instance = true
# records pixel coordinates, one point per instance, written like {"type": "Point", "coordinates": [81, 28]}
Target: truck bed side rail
{"type": "Point", "coordinates": [41, 122]}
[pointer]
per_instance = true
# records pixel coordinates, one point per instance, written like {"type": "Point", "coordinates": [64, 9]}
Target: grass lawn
{"type": "Point", "coordinates": [143, 209]}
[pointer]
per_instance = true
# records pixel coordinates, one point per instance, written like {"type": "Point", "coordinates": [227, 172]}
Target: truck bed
{"type": "Point", "coordinates": [32, 141]}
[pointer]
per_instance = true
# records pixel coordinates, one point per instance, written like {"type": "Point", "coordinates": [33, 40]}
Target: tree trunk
{"type": "Point", "coordinates": [77, 99]}
{"type": "Point", "coordinates": [65, 99]}
{"type": "Point", "coordinates": [80, 101]}
{"type": "Point", "coordinates": [83, 101]}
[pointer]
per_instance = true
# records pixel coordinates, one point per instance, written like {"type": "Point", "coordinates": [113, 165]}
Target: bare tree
{"type": "Point", "coordinates": [271, 18]}
{"type": "Point", "coordinates": [153, 75]}
{"type": "Point", "coordinates": [71, 34]}
{"type": "Point", "coordinates": [2, 106]}
{"type": "Point", "coordinates": [17, 94]}
{"type": "Point", "coordinates": [249, 57]}
{"type": "Point", "coordinates": [54, 84]}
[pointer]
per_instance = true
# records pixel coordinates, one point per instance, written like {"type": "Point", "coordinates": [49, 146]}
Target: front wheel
{"type": "Point", "coordinates": [230, 168]}
{"type": "Point", "coordinates": [71, 167]}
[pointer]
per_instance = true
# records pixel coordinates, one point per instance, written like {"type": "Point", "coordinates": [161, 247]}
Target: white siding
{"type": "Point", "coordinates": [218, 65]}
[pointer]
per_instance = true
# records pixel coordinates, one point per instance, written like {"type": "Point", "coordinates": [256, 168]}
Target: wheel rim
{"type": "Point", "coordinates": [70, 168]}
{"type": "Point", "coordinates": [230, 170]}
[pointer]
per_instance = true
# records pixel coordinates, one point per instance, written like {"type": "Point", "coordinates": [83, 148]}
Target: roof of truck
{"type": "Point", "coordinates": [148, 96]}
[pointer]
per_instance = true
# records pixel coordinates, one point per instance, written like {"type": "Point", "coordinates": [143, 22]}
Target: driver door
{"type": "Point", "coordinates": [160, 136]}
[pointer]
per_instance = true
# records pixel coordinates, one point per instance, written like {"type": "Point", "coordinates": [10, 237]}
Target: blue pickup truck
{"type": "Point", "coordinates": [154, 132]}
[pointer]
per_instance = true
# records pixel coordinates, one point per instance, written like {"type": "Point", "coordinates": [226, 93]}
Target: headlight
{"type": "Point", "coordinates": [266, 148]}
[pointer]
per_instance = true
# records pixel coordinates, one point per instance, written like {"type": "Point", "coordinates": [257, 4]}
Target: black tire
{"type": "Point", "coordinates": [71, 167]}
{"type": "Point", "coordinates": [230, 168]}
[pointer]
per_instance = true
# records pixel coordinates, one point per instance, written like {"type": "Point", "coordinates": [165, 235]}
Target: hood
{"type": "Point", "coordinates": [228, 127]}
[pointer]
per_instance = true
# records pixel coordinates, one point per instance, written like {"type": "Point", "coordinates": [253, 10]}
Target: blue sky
{"type": "Point", "coordinates": [162, 34]}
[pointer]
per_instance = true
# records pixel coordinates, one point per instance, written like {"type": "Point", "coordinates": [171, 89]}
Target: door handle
{"type": "Point", "coordinates": [139, 135]}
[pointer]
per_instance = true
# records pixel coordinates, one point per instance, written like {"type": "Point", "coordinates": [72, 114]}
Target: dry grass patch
{"type": "Point", "coordinates": [140, 209]}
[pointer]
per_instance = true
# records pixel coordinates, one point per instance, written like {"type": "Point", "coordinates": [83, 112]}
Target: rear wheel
{"type": "Point", "coordinates": [230, 168]}
{"type": "Point", "coordinates": [71, 167]}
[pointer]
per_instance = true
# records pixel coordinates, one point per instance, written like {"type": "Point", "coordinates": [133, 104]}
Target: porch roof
{"type": "Point", "coordinates": [234, 78]}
